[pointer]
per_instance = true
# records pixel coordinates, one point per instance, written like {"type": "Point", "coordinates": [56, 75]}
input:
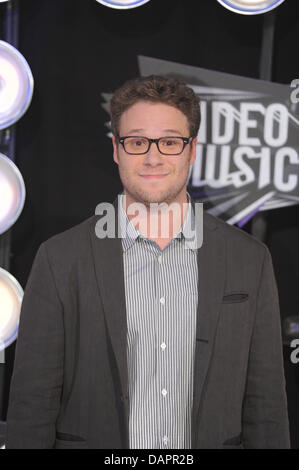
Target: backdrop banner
{"type": "Point", "coordinates": [248, 143]}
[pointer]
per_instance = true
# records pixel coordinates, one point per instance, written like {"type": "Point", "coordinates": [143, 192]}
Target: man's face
{"type": "Point", "coordinates": [154, 177]}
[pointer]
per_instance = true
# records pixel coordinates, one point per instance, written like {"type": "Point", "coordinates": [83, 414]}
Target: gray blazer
{"type": "Point", "coordinates": [70, 383]}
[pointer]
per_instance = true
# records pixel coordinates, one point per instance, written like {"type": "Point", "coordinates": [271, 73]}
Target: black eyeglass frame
{"type": "Point", "coordinates": [186, 141]}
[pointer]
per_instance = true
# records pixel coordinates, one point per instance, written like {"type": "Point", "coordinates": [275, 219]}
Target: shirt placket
{"type": "Point", "coordinates": [163, 385]}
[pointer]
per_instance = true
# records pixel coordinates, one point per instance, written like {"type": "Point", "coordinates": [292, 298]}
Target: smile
{"type": "Point", "coordinates": [154, 176]}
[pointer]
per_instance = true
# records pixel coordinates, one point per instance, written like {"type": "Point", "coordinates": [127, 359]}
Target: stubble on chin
{"type": "Point", "coordinates": [153, 197]}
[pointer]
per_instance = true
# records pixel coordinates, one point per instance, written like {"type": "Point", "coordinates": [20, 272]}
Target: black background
{"type": "Point", "coordinates": [79, 49]}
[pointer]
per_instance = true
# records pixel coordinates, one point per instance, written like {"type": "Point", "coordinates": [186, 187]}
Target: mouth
{"type": "Point", "coordinates": [156, 176]}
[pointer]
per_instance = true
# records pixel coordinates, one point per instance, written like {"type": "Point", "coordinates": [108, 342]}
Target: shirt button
{"type": "Point", "coordinates": [162, 301]}
{"type": "Point", "coordinates": [163, 346]}
{"type": "Point", "coordinates": [164, 392]}
{"type": "Point", "coordinates": [165, 440]}
{"type": "Point", "coordinates": [160, 259]}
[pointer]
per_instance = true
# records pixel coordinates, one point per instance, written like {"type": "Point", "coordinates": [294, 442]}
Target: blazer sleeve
{"type": "Point", "coordinates": [37, 379]}
{"type": "Point", "coordinates": [265, 415]}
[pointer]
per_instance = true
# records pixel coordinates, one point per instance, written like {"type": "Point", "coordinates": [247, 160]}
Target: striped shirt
{"type": "Point", "coordinates": [161, 302]}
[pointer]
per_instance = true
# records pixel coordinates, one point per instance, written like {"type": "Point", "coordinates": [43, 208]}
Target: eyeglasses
{"type": "Point", "coordinates": [136, 145]}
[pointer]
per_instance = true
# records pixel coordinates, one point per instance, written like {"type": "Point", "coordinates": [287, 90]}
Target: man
{"type": "Point", "coordinates": [144, 340]}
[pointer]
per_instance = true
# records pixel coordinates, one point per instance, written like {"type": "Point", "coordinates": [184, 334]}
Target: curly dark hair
{"type": "Point", "coordinates": [156, 89]}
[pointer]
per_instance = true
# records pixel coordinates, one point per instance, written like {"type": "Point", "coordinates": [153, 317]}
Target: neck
{"type": "Point", "coordinates": [157, 221]}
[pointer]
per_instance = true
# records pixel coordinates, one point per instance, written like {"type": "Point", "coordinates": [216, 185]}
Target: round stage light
{"type": "Point", "coordinates": [122, 4]}
{"type": "Point", "coordinates": [12, 193]}
{"type": "Point", "coordinates": [250, 7]}
{"type": "Point", "coordinates": [16, 85]}
{"type": "Point", "coordinates": [11, 296]}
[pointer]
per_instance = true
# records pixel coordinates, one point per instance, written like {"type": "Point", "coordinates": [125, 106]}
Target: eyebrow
{"type": "Point", "coordinates": [131, 131]}
{"type": "Point", "coordinates": [172, 131]}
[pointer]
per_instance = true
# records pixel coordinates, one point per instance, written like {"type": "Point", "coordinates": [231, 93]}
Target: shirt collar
{"type": "Point", "coordinates": [129, 233]}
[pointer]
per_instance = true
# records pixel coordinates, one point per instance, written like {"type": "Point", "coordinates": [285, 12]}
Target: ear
{"type": "Point", "coordinates": [115, 150]}
{"type": "Point", "coordinates": [193, 151]}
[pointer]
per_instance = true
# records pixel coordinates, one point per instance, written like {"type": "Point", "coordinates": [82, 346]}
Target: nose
{"type": "Point", "coordinates": [153, 157]}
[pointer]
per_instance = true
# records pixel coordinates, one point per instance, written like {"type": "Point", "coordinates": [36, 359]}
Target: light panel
{"type": "Point", "coordinates": [11, 295]}
{"type": "Point", "coordinates": [250, 7]}
{"type": "Point", "coordinates": [16, 85]}
{"type": "Point", "coordinates": [12, 193]}
{"type": "Point", "coordinates": [122, 4]}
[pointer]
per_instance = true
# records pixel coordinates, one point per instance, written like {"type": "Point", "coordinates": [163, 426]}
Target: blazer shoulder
{"type": "Point", "coordinates": [71, 241]}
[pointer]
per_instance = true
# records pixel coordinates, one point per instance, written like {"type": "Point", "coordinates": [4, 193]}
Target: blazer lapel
{"type": "Point", "coordinates": [211, 279]}
{"type": "Point", "coordinates": [108, 260]}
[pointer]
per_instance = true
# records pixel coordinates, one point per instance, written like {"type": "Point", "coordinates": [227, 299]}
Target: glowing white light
{"type": "Point", "coordinates": [6, 197]}
{"type": "Point", "coordinates": [12, 193]}
{"type": "Point", "coordinates": [16, 85]}
{"type": "Point", "coordinates": [250, 7]}
{"type": "Point", "coordinates": [10, 85]}
{"type": "Point", "coordinates": [7, 306]}
{"type": "Point", "coordinates": [11, 295]}
{"type": "Point", "coordinates": [123, 4]}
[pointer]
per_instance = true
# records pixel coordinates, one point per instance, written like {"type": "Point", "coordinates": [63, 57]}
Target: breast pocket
{"type": "Point", "coordinates": [234, 314]}
{"type": "Point", "coordinates": [234, 330]}
{"type": "Point", "coordinates": [69, 441]}
{"type": "Point", "coordinates": [235, 297]}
